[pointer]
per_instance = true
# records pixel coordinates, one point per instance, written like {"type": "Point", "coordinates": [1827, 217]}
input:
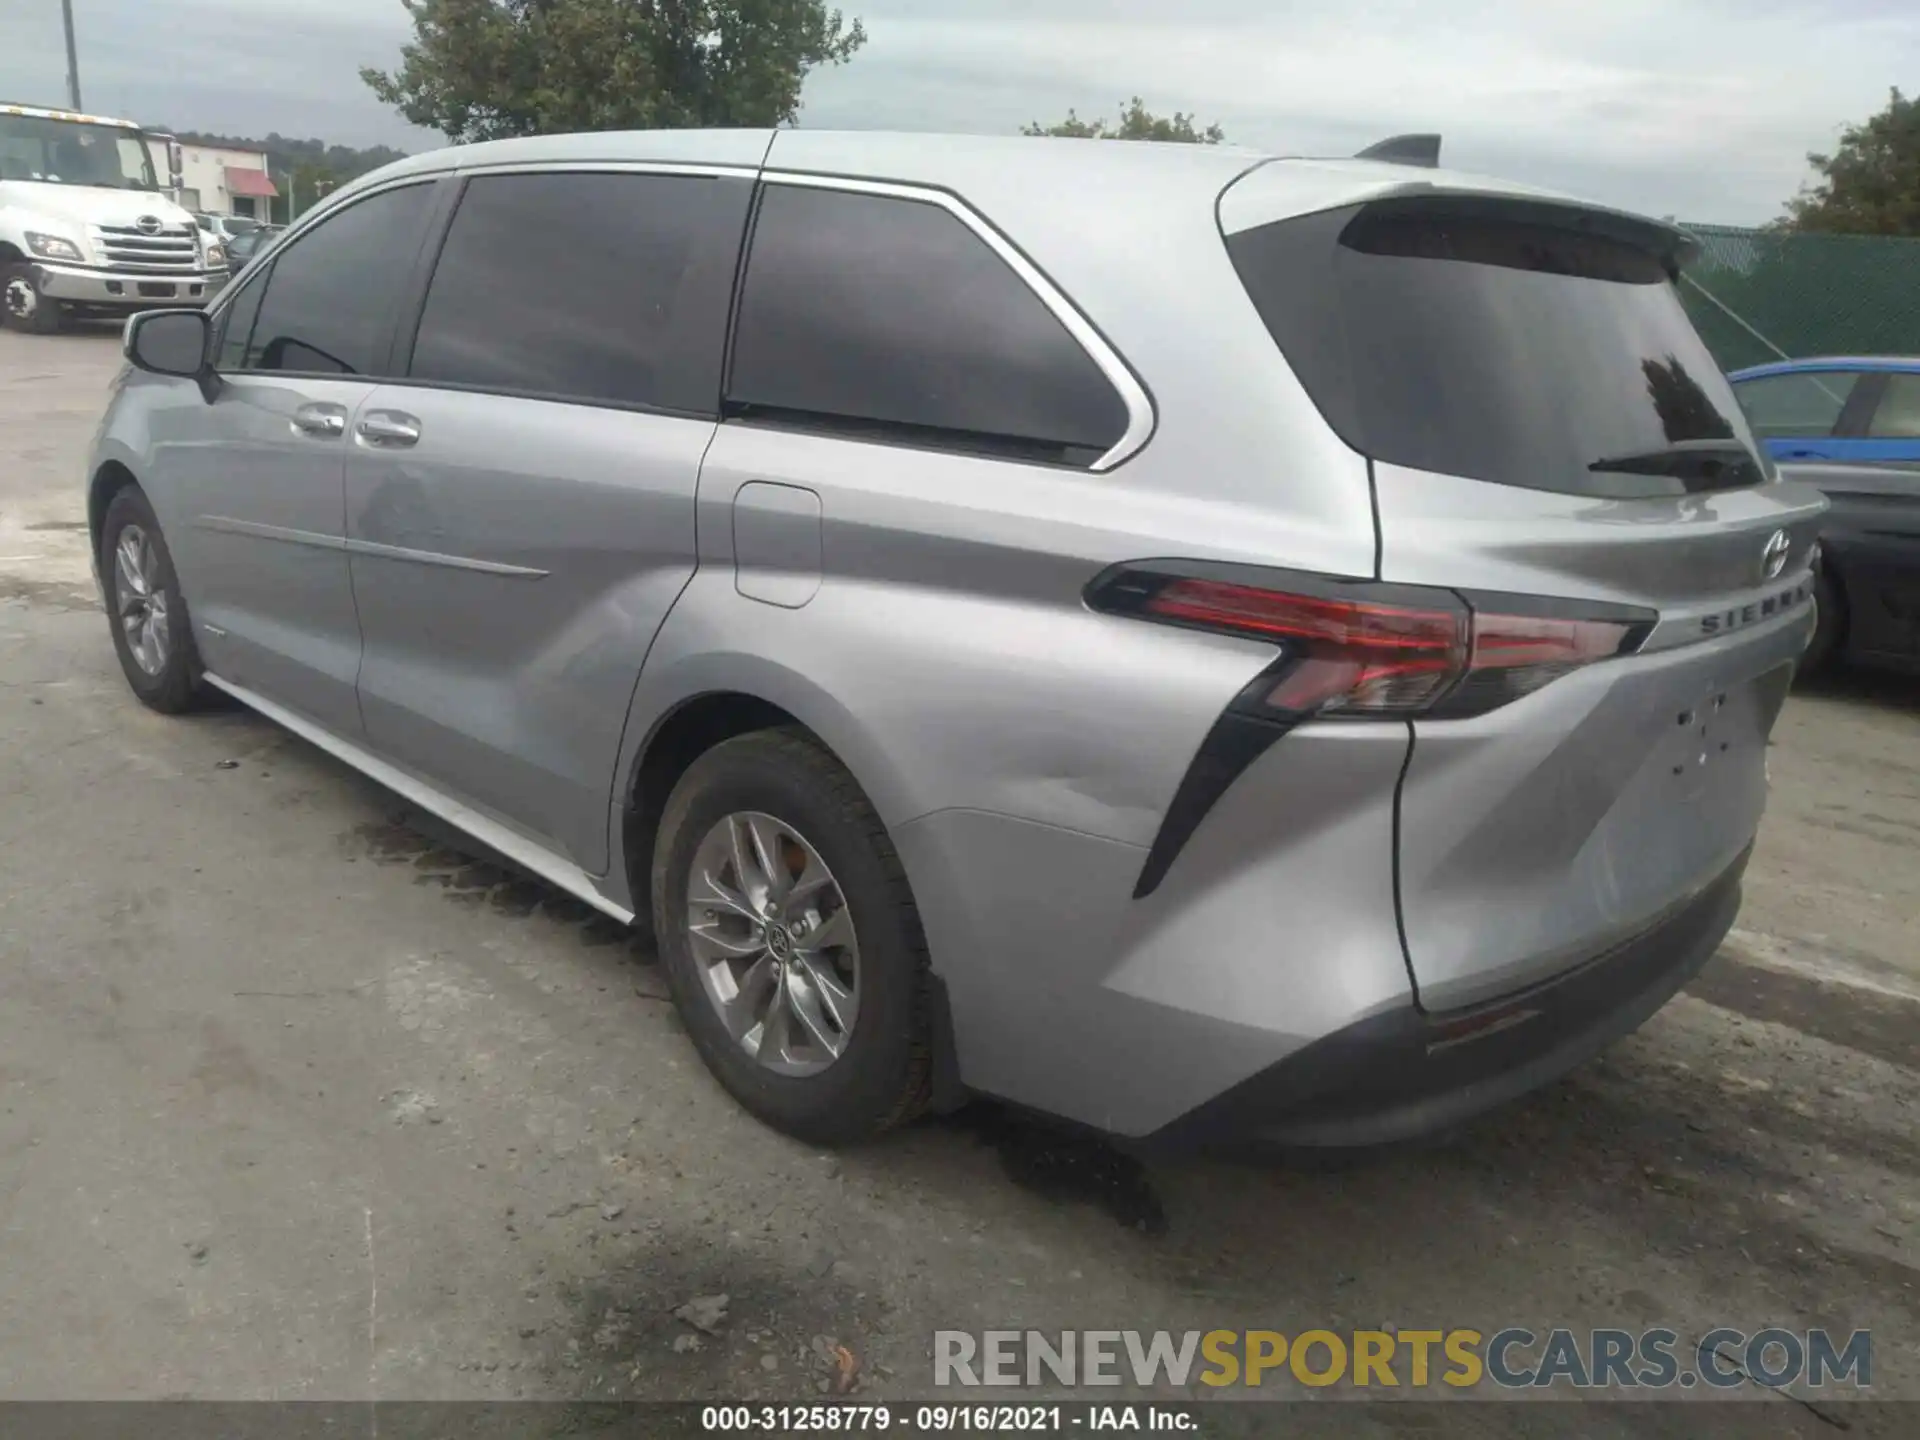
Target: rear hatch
{"type": "Point", "coordinates": [1551, 443]}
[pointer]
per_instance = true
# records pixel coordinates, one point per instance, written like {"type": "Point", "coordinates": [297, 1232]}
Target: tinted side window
{"type": "Point", "coordinates": [236, 323]}
{"type": "Point", "coordinates": [890, 312]}
{"type": "Point", "coordinates": [1780, 406]}
{"type": "Point", "coordinates": [631, 308]}
{"type": "Point", "coordinates": [1898, 414]}
{"type": "Point", "coordinates": [332, 292]}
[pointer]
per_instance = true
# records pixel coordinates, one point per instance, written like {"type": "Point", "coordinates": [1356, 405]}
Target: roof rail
{"type": "Point", "coordinates": [1421, 150]}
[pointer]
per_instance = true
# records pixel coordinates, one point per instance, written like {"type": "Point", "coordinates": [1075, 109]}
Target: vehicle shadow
{"type": "Point", "coordinates": [1857, 683]}
{"type": "Point", "coordinates": [110, 330]}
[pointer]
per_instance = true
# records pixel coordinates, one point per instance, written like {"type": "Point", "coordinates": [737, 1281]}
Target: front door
{"type": "Point", "coordinates": [520, 512]}
{"type": "Point", "coordinates": [260, 476]}
{"type": "Point", "coordinates": [260, 472]}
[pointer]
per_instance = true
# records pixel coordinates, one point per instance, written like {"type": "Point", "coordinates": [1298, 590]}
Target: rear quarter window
{"type": "Point", "coordinates": [889, 318]}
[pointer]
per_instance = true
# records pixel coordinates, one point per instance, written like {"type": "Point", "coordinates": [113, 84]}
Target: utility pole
{"type": "Point", "coordinates": [73, 59]}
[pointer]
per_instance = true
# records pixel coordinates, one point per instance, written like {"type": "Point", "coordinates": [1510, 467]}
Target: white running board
{"type": "Point", "coordinates": [528, 854]}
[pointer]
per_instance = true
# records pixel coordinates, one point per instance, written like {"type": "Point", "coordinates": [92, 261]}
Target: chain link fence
{"type": "Point", "coordinates": [1760, 295]}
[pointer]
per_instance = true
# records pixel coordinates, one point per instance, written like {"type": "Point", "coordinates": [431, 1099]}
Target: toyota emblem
{"type": "Point", "coordinates": [148, 224]}
{"type": "Point", "coordinates": [1773, 555]}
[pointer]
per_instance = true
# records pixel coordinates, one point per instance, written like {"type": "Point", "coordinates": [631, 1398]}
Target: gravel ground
{"type": "Point", "coordinates": [304, 1100]}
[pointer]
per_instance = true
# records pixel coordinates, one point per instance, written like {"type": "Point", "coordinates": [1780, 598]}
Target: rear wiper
{"type": "Point", "coordinates": [1703, 458]}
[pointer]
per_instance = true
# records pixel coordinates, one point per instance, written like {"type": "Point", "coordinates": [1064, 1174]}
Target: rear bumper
{"type": "Point", "coordinates": [1409, 1073]}
{"type": "Point", "coordinates": [117, 290]}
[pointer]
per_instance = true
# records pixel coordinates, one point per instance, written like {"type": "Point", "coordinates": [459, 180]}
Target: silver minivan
{"type": "Point", "coordinates": [1200, 643]}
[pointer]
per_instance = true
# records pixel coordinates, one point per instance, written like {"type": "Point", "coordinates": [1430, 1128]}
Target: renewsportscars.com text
{"type": "Point", "coordinates": [1508, 1359]}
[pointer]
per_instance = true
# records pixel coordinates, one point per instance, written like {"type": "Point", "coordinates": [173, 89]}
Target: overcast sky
{"type": "Point", "coordinates": [1698, 108]}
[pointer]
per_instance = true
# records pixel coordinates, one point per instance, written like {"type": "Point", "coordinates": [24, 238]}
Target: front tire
{"type": "Point", "coordinates": [22, 306]}
{"type": "Point", "coordinates": [791, 941]}
{"type": "Point", "coordinates": [145, 609]}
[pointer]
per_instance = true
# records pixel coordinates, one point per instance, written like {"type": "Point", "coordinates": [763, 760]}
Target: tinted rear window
{"type": "Point", "coordinates": [1485, 341]}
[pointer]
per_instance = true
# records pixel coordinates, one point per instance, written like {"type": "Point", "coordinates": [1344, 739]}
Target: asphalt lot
{"type": "Point", "coordinates": [302, 1101]}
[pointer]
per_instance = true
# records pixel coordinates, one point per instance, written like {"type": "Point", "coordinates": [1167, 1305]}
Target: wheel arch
{"type": "Point", "coordinates": [1834, 572]}
{"type": "Point", "coordinates": [678, 738]}
{"type": "Point", "coordinates": [110, 477]}
{"type": "Point", "coordinates": [1833, 575]}
{"type": "Point", "coordinates": [692, 694]}
{"type": "Point", "coordinates": [687, 729]}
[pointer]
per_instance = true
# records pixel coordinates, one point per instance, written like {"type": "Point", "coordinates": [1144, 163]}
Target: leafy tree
{"type": "Point", "coordinates": [484, 69]}
{"type": "Point", "coordinates": [1870, 185]}
{"type": "Point", "coordinates": [1136, 123]}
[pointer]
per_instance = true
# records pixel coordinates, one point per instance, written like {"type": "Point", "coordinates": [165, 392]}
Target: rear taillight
{"type": "Point", "coordinates": [1514, 655]}
{"type": "Point", "coordinates": [1359, 649]}
{"type": "Point", "coordinates": [1347, 654]}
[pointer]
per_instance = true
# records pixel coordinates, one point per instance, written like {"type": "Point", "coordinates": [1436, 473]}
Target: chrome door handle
{"type": "Point", "coordinates": [324, 421]}
{"type": "Point", "coordinates": [384, 427]}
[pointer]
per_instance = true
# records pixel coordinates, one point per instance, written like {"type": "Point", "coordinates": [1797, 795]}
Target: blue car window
{"type": "Point", "coordinates": [1898, 415]}
{"type": "Point", "coordinates": [1808, 403]}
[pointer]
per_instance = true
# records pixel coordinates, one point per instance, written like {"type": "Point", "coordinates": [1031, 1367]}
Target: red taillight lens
{"type": "Point", "coordinates": [1514, 655]}
{"type": "Point", "coordinates": [1348, 655]}
{"type": "Point", "coordinates": [1360, 649]}
{"type": "Point", "coordinates": [1501, 641]}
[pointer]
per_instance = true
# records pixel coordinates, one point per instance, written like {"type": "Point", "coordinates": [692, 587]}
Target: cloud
{"type": "Point", "coordinates": [1699, 107]}
{"type": "Point", "coordinates": [1702, 108]}
{"type": "Point", "coordinates": [232, 66]}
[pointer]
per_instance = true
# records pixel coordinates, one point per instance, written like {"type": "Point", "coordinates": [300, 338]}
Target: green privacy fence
{"type": "Point", "coordinates": [1759, 295]}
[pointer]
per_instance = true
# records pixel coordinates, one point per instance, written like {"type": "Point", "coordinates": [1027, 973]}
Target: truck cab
{"type": "Point", "coordinates": [86, 229]}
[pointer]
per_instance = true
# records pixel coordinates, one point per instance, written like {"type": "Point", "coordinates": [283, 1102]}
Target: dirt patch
{"type": "Point", "coordinates": [474, 877]}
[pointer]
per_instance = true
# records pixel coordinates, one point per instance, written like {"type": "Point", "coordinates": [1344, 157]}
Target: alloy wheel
{"type": "Point", "coordinates": [141, 599]}
{"type": "Point", "coordinates": [773, 943]}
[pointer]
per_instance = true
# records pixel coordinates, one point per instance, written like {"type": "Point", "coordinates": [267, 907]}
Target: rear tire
{"type": "Point", "coordinates": [145, 609]}
{"type": "Point", "coordinates": [22, 306]}
{"type": "Point", "coordinates": [786, 781]}
{"type": "Point", "coordinates": [1829, 627]}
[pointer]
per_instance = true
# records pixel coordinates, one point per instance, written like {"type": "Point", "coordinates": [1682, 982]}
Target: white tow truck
{"type": "Point", "coordinates": [85, 226]}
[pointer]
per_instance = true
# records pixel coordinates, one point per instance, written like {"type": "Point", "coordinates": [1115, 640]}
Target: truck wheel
{"type": "Point", "coordinates": [22, 306]}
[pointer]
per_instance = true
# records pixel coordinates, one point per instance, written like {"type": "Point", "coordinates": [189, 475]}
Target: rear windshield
{"type": "Point", "coordinates": [1483, 339]}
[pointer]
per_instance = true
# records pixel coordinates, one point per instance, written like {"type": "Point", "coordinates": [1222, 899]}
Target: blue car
{"type": "Point", "coordinates": [1837, 409]}
{"type": "Point", "coordinates": [1851, 427]}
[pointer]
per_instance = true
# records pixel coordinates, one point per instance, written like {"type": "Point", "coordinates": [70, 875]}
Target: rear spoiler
{"type": "Point", "coordinates": [1421, 150]}
{"type": "Point", "coordinates": [1270, 192]}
